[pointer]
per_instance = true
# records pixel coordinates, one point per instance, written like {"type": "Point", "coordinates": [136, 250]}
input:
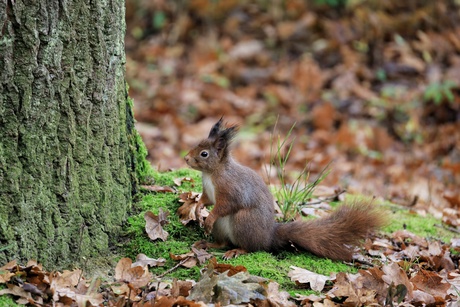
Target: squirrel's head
{"type": "Point", "coordinates": [210, 153]}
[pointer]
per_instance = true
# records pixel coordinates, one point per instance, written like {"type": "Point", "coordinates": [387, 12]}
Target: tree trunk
{"type": "Point", "coordinates": [67, 140]}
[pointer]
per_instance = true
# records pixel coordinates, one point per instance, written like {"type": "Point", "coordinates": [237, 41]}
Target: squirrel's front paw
{"type": "Point", "coordinates": [209, 223]}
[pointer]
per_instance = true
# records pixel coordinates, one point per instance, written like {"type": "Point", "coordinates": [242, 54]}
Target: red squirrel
{"type": "Point", "coordinates": [244, 217]}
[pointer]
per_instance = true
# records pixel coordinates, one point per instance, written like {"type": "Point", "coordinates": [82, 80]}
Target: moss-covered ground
{"type": "Point", "coordinates": [7, 300]}
{"type": "Point", "coordinates": [272, 266]}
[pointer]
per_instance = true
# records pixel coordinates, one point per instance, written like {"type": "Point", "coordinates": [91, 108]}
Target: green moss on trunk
{"type": "Point", "coordinates": [68, 147]}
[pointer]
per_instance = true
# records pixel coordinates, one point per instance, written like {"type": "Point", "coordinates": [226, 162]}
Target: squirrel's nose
{"type": "Point", "coordinates": [186, 158]}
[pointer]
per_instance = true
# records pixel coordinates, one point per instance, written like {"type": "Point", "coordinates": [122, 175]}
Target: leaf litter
{"type": "Point", "coordinates": [406, 269]}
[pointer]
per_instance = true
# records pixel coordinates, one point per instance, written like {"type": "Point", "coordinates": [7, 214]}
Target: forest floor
{"type": "Point", "coordinates": [371, 90]}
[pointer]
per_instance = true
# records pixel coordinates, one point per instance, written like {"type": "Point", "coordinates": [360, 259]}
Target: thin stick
{"type": "Point", "coordinates": [325, 199]}
{"type": "Point", "coordinates": [175, 267]}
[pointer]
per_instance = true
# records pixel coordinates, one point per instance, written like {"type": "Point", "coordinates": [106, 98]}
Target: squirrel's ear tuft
{"type": "Point", "coordinates": [225, 137]}
{"type": "Point", "coordinates": [216, 128]}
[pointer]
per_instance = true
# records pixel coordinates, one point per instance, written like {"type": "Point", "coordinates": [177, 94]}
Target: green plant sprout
{"type": "Point", "coordinates": [438, 91]}
{"type": "Point", "coordinates": [290, 196]}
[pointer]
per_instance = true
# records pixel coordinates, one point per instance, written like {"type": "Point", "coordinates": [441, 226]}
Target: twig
{"type": "Point", "coordinates": [448, 228]}
{"type": "Point", "coordinates": [325, 199]}
{"type": "Point", "coordinates": [174, 267]}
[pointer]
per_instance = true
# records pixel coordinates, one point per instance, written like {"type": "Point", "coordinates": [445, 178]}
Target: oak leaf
{"type": "Point", "coordinates": [430, 282]}
{"type": "Point", "coordinates": [65, 288]}
{"type": "Point", "coordinates": [227, 290]}
{"type": "Point", "coordinates": [154, 225]}
{"type": "Point", "coordinates": [137, 276]}
{"type": "Point", "coordinates": [187, 260]}
{"type": "Point", "coordinates": [201, 255]}
{"type": "Point", "coordinates": [5, 276]}
{"type": "Point", "coordinates": [225, 267]}
{"type": "Point", "coordinates": [179, 181]}
{"type": "Point", "coordinates": [157, 188]}
{"type": "Point", "coordinates": [143, 260]}
{"type": "Point", "coordinates": [181, 288]}
{"type": "Point", "coordinates": [275, 297]}
{"type": "Point", "coordinates": [394, 274]}
{"type": "Point", "coordinates": [303, 276]}
{"type": "Point", "coordinates": [356, 295]}
{"type": "Point", "coordinates": [192, 209]}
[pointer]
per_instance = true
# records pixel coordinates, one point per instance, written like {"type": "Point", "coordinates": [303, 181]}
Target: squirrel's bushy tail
{"type": "Point", "coordinates": [334, 236]}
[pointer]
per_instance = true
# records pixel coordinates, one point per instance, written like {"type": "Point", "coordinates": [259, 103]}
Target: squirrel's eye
{"type": "Point", "coordinates": [204, 153]}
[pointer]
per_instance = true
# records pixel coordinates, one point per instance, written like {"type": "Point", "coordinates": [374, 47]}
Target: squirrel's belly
{"type": "Point", "coordinates": [225, 227]}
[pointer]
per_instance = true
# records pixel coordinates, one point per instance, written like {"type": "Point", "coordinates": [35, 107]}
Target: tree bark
{"type": "Point", "coordinates": [67, 139]}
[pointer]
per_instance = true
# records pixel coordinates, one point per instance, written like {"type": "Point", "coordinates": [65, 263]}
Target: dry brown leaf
{"type": "Point", "coordinates": [143, 260]}
{"type": "Point", "coordinates": [17, 291]}
{"type": "Point", "coordinates": [154, 225]}
{"type": "Point", "coordinates": [223, 289]}
{"type": "Point", "coordinates": [137, 276]}
{"type": "Point", "coordinates": [324, 116]}
{"type": "Point", "coordinates": [355, 296]}
{"type": "Point", "coordinates": [277, 298]}
{"type": "Point", "coordinates": [192, 209]}
{"type": "Point", "coordinates": [402, 235]}
{"type": "Point", "coordinates": [179, 181]}
{"type": "Point", "coordinates": [422, 298]}
{"type": "Point", "coordinates": [308, 78]}
{"type": "Point", "coordinates": [157, 188]}
{"type": "Point", "coordinates": [9, 266]}
{"type": "Point", "coordinates": [5, 276]}
{"type": "Point", "coordinates": [201, 255]}
{"type": "Point", "coordinates": [453, 278]}
{"type": "Point", "coordinates": [430, 282]}
{"type": "Point", "coordinates": [64, 287]}
{"type": "Point", "coordinates": [120, 289]}
{"type": "Point", "coordinates": [225, 267]}
{"type": "Point", "coordinates": [187, 260]}
{"type": "Point", "coordinates": [303, 276]}
{"type": "Point", "coordinates": [395, 275]}
{"type": "Point", "coordinates": [169, 301]}
{"type": "Point", "coordinates": [181, 288]}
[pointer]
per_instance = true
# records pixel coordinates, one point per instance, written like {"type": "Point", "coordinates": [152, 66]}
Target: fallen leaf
{"type": "Point", "coordinates": [204, 290]}
{"type": "Point", "coordinates": [356, 294]}
{"type": "Point", "coordinates": [187, 260]}
{"type": "Point", "coordinates": [275, 297]}
{"type": "Point", "coordinates": [17, 291]}
{"type": "Point", "coordinates": [395, 275]}
{"type": "Point", "coordinates": [430, 282]}
{"type": "Point", "coordinates": [138, 276]}
{"type": "Point", "coordinates": [169, 301]}
{"type": "Point", "coordinates": [5, 276]}
{"type": "Point", "coordinates": [157, 188]}
{"type": "Point", "coordinates": [181, 288]}
{"type": "Point", "coordinates": [201, 255]}
{"type": "Point", "coordinates": [192, 209]}
{"type": "Point", "coordinates": [225, 267]}
{"type": "Point", "coordinates": [303, 276]}
{"type": "Point", "coordinates": [226, 290]}
{"type": "Point", "coordinates": [179, 181]}
{"type": "Point", "coordinates": [64, 288]}
{"type": "Point", "coordinates": [143, 260]}
{"type": "Point", "coordinates": [402, 235]}
{"type": "Point", "coordinates": [421, 298]}
{"type": "Point", "coordinates": [372, 279]}
{"type": "Point", "coordinates": [154, 225]}
{"type": "Point", "coordinates": [9, 266]}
